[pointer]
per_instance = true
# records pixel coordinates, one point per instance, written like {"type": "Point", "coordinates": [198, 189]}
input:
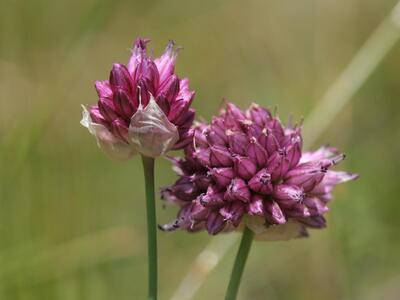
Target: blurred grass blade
{"type": "Point", "coordinates": [336, 97]}
{"type": "Point", "coordinates": [353, 76]}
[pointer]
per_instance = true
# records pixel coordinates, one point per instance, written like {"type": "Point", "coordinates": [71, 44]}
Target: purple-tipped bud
{"type": "Point", "coordinates": [214, 196]}
{"type": "Point", "coordinates": [202, 180]}
{"type": "Point", "coordinates": [97, 117]}
{"type": "Point", "coordinates": [200, 139]}
{"type": "Point", "coordinates": [178, 110]}
{"type": "Point", "coordinates": [166, 62]}
{"type": "Point", "coordinates": [215, 223]}
{"type": "Point", "coordinates": [298, 210]}
{"type": "Point", "coordinates": [233, 116]}
{"type": "Point", "coordinates": [257, 153]}
{"type": "Point", "coordinates": [288, 195]}
{"type": "Point", "coordinates": [123, 103]}
{"type": "Point", "coordinates": [233, 212]}
{"type": "Point", "coordinates": [218, 128]}
{"type": "Point", "coordinates": [214, 139]}
{"type": "Point", "coordinates": [256, 206]}
{"type": "Point", "coordinates": [268, 141]}
{"type": "Point", "coordinates": [222, 176]}
{"type": "Point", "coordinates": [220, 157]}
{"type": "Point", "coordinates": [198, 212]}
{"type": "Point", "coordinates": [259, 115]}
{"type": "Point", "coordinates": [315, 206]}
{"type": "Point", "coordinates": [103, 89]}
{"type": "Point", "coordinates": [274, 214]}
{"type": "Point", "coordinates": [283, 160]}
{"type": "Point", "coordinates": [107, 109]}
{"type": "Point", "coordinates": [120, 79]}
{"type": "Point", "coordinates": [238, 142]}
{"type": "Point", "coordinates": [314, 222]}
{"type": "Point", "coordinates": [261, 182]}
{"type": "Point", "coordinates": [237, 190]}
{"type": "Point", "coordinates": [170, 88]}
{"type": "Point", "coordinates": [185, 188]}
{"type": "Point", "coordinates": [244, 167]}
{"type": "Point", "coordinates": [203, 156]}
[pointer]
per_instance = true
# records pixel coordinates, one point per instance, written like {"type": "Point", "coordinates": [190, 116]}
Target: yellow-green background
{"type": "Point", "coordinates": [72, 222]}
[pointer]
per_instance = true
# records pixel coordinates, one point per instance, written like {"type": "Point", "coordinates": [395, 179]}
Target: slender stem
{"type": "Point", "coordinates": [148, 168]}
{"type": "Point", "coordinates": [240, 262]}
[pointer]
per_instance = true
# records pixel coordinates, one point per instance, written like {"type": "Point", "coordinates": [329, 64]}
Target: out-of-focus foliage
{"type": "Point", "coordinates": [72, 222]}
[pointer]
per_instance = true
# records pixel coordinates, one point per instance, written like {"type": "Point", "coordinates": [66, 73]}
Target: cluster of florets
{"type": "Point", "coordinates": [143, 108]}
{"type": "Point", "coordinates": [249, 166]}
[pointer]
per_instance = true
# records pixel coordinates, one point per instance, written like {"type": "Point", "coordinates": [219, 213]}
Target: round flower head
{"type": "Point", "coordinates": [143, 108]}
{"type": "Point", "coordinates": [247, 168]}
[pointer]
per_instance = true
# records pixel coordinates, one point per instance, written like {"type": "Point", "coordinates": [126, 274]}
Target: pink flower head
{"type": "Point", "coordinates": [143, 108]}
{"type": "Point", "coordinates": [246, 167]}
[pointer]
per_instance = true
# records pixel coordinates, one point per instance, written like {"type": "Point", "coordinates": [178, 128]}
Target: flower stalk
{"type": "Point", "coordinates": [148, 169]}
{"type": "Point", "coordinates": [240, 262]}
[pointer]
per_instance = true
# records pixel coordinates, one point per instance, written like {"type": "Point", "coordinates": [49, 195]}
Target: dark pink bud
{"type": "Point", "coordinates": [314, 222]}
{"type": "Point", "coordinates": [178, 108]}
{"type": "Point", "coordinates": [107, 109]}
{"type": "Point", "coordinates": [97, 117]}
{"type": "Point", "coordinates": [310, 174]}
{"type": "Point", "coordinates": [169, 88]}
{"type": "Point", "coordinates": [198, 212]}
{"type": "Point", "coordinates": [120, 78]}
{"type": "Point", "coordinates": [123, 103]}
{"type": "Point", "coordinates": [185, 119]}
{"type": "Point", "coordinates": [185, 138]}
{"type": "Point", "coordinates": [274, 214]}
{"type": "Point", "coordinates": [220, 157]}
{"type": "Point", "coordinates": [185, 189]}
{"type": "Point", "coordinates": [257, 153]}
{"type": "Point", "coordinates": [298, 210]}
{"type": "Point", "coordinates": [259, 115]}
{"type": "Point", "coordinates": [120, 129]}
{"type": "Point", "coordinates": [283, 160]}
{"type": "Point", "coordinates": [213, 138]}
{"type": "Point", "coordinates": [165, 63]}
{"type": "Point", "coordinates": [203, 156]}
{"type": "Point", "coordinates": [238, 142]}
{"type": "Point", "coordinates": [275, 126]}
{"type": "Point", "coordinates": [215, 223]}
{"type": "Point", "coordinates": [222, 176]}
{"type": "Point", "coordinates": [214, 196]}
{"type": "Point", "coordinates": [256, 206]}
{"type": "Point", "coordinates": [261, 182]}
{"type": "Point", "coordinates": [233, 116]}
{"type": "Point", "coordinates": [218, 128]}
{"type": "Point", "coordinates": [147, 73]}
{"type": "Point", "coordinates": [200, 137]}
{"type": "Point", "coordinates": [244, 167]}
{"type": "Point", "coordinates": [237, 190]}
{"type": "Point", "coordinates": [138, 53]}
{"type": "Point", "coordinates": [103, 89]}
{"type": "Point", "coordinates": [143, 91]}
{"type": "Point", "coordinates": [164, 104]}
{"type": "Point", "coordinates": [315, 206]}
{"type": "Point", "coordinates": [202, 180]}
{"type": "Point", "coordinates": [233, 212]}
{"type": "Point", "coordinates": [268, 141]}
{"type": "Point", "coordinates": [288, 195]}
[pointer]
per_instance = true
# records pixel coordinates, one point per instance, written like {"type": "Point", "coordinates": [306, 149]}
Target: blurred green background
{"type": "Point", "coordinates": [72, 222]}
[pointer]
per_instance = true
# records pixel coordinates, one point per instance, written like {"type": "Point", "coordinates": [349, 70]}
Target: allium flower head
{"type": "Point", "coordinates": [248, 168]}
{"type": "Point", "coordinates": [143, 108]}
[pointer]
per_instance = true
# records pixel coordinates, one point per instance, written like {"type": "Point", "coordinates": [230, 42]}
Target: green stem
{"type": "Point", "coordinates": [148, 168]}
{"type": "Point", "coordinates": [240, 261]}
